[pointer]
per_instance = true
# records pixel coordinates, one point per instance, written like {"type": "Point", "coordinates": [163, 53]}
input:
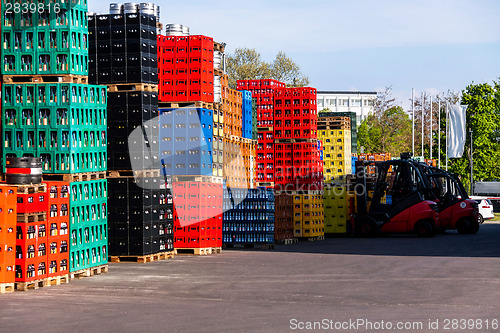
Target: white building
{"type": "Point", "coordinates": [360, 102]}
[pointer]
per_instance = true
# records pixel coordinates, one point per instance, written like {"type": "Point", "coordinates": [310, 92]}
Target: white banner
{"type": "Point", "coordinates": [456, 130]}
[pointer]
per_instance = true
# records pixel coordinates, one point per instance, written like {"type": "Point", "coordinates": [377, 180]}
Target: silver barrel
{"type": "Point", "coordinates": [130, 8]}
{"type": "Point", "coordinates": [115, 8]}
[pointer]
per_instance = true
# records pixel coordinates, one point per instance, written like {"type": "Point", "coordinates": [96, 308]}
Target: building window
{"type": "Point", "coordinates": [368, 102]}
{"type": "Point", "coordinates": [356, 102]}
{"type": "Point", "coordinates": [343, 102]}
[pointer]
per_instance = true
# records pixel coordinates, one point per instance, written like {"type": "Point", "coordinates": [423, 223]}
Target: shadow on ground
{"type": "Point", "coordinates": [486, 243]}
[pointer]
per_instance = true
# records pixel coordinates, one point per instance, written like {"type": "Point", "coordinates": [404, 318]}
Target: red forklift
{"type": "Point", "coordinates": [398, 202]}
{"type": "Point", "coordinates": [456, 210]}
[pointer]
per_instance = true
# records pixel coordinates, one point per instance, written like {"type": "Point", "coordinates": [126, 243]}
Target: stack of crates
{"type": "Point", "coordinates": [238, 149]}
{"type": "Point", "coordinates": [298, 160]}
{"type": "Point", "coordinates": [308, 214]}
{"type": "Point", "coordinates": [186, 68]}
{"type": "Point", "coordinates": [247, 120]}
{"type": "Point", "coordinates": [124, 56]}
{"type": "Point", "coordinates": [63, 123]}
{"type": "Point", "coordinates": [337, 208]}
{"type": "Point", "coordinates": [58, 238]}
{"type": "Point", "coordinates": [335, 135]}
{"type": "Point", "coordinates": [8, 221]}
{"type": "Point", "coordinates": [377, 157]}
{"type": "Point", "coordinates": [354, 129]}
{"type": "Point", "coordinates": [354, 158]}
{"type": "Point", "coordinates": [141, 216]}
{"type": "Point", "coordinates": [198, 216]}
{"type": "Point", "coordinates": [248, 216]}
{"type": "Point", "coordinates": [263, 93]}
{"type": "Point", "coordinates": [283, 218]}
{"type": "Point", "coordinates": [122, 49]}
{"type": "Point", "coordinates": [31, 237]}
{"type": "Point", "coordinates": [49, 40]}
{"type": "Point", "coordinates": [50, 111]}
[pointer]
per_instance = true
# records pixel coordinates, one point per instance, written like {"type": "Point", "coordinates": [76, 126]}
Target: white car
{"type": "Point", "coordinates": [485, 208]}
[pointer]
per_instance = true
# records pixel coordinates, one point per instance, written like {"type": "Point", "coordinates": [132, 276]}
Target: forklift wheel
{"type": "Point", "coordinates": [424, 229]}
{"type": "Point", "coordinates": [464, 226]}
{"type": "Point", "coordinates": [474, 228]}
{"type": "Point", "coordinates": [367, 228]}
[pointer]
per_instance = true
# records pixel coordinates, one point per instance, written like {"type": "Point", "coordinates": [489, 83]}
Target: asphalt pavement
{"type": "Point", "coordinates": [448, 283]}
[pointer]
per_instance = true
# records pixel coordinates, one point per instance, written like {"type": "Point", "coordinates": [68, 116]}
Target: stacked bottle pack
{"type": "Point", "coordinates": [140, 216]}
{"type": "Point", "coordinates": [263, 92]}
{"type": "Point", "coordinates": [122, 49]}
{"type": "Point", "coordinates": [186, 141]}
{"type": "Point", "coordinates": [186, 68]}
{"type": "Point", "coordinates": [337, 203]}
{"type": "Point", "coordinates": [130, 111]}
{"type": "Point", "coordinates": [49, 111]}
{"type": "Point", "coordinates": [8, 224]}
{"type": "Point", "coordinates": [89, 224]}
{"type": "Point", "coordinates": [64, 123]}
{"type": "Point", "coordinates": [335, 135]}
{"type": "Point", "coordinates": [49, 40]}
{"type": "Point", "coordinates": [247, 119]}
{"type": "Point", "coordinates": [197, 215]}
{"type": "Point", "coordinates": [251, 218]}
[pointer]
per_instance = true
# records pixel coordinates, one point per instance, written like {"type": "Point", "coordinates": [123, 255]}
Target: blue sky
{"type": "Point", "coordinates": [364, 45]}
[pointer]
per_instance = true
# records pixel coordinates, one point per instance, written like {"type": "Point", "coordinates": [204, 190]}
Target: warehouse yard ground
{"type": "Point", "coordinates": [398, 279]}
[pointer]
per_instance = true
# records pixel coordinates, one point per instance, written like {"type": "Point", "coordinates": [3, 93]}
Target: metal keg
{"type": "Point", "coordinates": [173, 29]}
{"type": "Point", "coordinates": [130, 8]}
{"type": "Point", "coordinates": [147, 8]}
{"type": "Point", "coordinates": [185, 30]}
{"type": "Point", "coordinates": [23, 170]}
{"type": "Point", "coordinates": [217, 59]}
{"type": "Point", "coordinates": [115, 8]}
{"type": "Point", "coordinates": [157, 13]}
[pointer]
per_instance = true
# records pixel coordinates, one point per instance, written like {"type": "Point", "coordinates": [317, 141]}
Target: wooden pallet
{"type": "Point", "coordinates": [198, 251]}
{"type": "Point", "coordinates": [143, 259]}
{"type": "Point", "coordinates": [31, 217]}
{"type": "Point", "coordinates": [198, 178]}
{"type": "Point", "coordinates": [262, 246]}
{"type": "Point", "coordinates": [29, 189]}
{"type": "Point", "coordinates": [7, 288]}
{"type": "Point", "coordinates": [287, 241]}
{"type": "Point", "coordinates": [264, 129]}
{"type": "Point", "coordinates": [266, 184]}
{"type": "Point", "coordinates": [132, 87]}
{"type": "Point", "coordinates": [296, 140]}
{"type": "Point", "coordinates": [24, 286]}
{"type": "Point", "coordinates": [49, 78]}
{"type": "Point", "coordinates": [313, 239]}
{"type": "Point", "coordinates": [219, 47]}
{"type": "Point", "coordinates": [98, 270]}
{"type": "Point", "coordinates": [218, 72]}
{"type": "Point", "coordinates": [75, 177]}
{"type": "Point", "coordinates": [133, 173]}
{"type": "Point", "coordinates": [57, 280]}
{"type": "Point", "coordinates": [195, 104]}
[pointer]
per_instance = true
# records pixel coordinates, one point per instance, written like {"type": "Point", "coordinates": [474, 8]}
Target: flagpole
{"type": "Point", "coordinates": [430, 135]}
{"type": "Point", "coordinates": [423, 101]}
{"type": "Point", "coordinates": [446, 148]}
{"type": "Point", "coordinates": [413, 122]}
{"type": "Point", "coordinates": [439, 133]}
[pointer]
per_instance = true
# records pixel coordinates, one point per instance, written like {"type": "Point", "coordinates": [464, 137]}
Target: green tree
{"type": "Point", "coordinates": [285, 70]}
{"type": "Point", "coordinates": [387, 129]}
{"type": "Point", "coordinates": [483, 118]}
{"type": "Point", "coordinates": [246, 64]}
